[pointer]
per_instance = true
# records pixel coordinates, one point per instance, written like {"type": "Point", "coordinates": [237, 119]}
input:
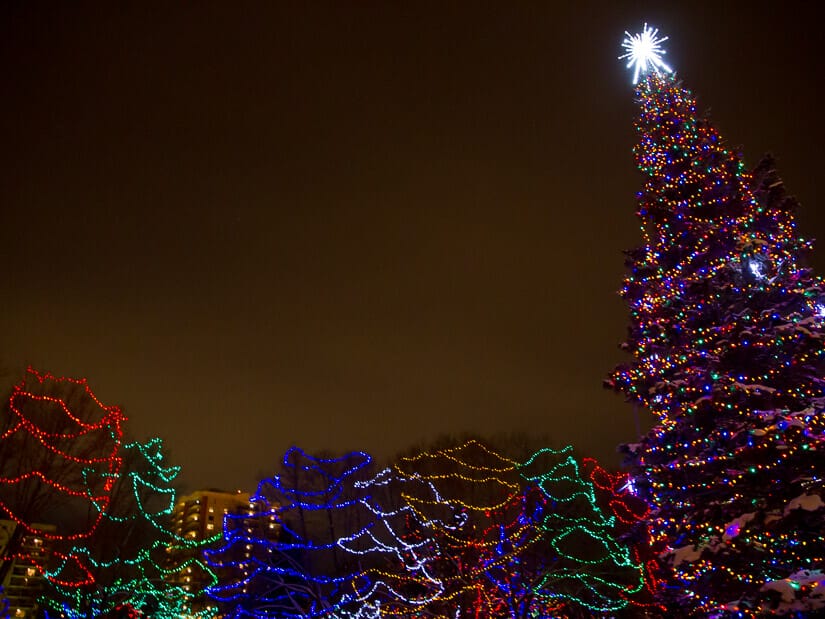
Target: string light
{"type": "Point", "coordinates": [462, 531]}
{"type": "Point", "coordinates": [139, 576]}
{"type": "Point", "coordinates": [31, 413]}
{"type": "Point", "coordinates": [258, 566]}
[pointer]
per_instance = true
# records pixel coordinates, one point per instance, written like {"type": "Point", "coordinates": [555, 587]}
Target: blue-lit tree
{"type": "Point", "coordinates": [283, 558]}
{"type": "Point", "coordinates": [727, 329]}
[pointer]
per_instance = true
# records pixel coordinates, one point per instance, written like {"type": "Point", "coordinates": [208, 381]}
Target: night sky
{"type": "Point", "coordinates": [355, 224]}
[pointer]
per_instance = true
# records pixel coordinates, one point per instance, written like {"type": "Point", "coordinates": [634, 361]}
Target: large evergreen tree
{"type": "Point", "coordinates": [726, 333]}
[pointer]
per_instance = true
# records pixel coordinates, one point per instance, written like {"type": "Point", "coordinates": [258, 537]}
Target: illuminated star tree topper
{"type": "Point", "coordinates": [644, 52]}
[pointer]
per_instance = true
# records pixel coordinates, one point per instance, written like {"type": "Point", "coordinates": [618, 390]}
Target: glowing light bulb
{"type": "Point", "coordinates": [644, 52]}
{"type": "Point", "coordinates": [756, 269]}
{"type": "Point", "coordinates": [629, 486]}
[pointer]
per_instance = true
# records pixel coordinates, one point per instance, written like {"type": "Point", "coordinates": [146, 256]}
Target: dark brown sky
{"type": "Point", "coordinates": [354, 224]}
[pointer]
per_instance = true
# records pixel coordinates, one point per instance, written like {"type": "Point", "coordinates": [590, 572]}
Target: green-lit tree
{"type": "Point", "coordinates": [126, 557]}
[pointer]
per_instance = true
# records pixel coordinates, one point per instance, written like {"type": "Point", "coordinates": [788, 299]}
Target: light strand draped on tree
{"type": "Point", "coordinates": [128, 556]}
{"type": "Point", "coordinates": [727, 329]}
{"type": "Point", "coordinates": [460, 531]}
{"type": "Point", "coordinates": [60, 453]}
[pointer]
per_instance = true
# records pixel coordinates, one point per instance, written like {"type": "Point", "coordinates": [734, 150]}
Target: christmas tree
{"type": "Point", "coordinates": [482, 537]}
{"type": "Point", "coordinates": [726, 333]}
{"type": "Point", "coordinates": [616, 497]}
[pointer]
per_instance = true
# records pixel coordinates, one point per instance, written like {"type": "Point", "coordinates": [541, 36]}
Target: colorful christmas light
{"type": "Point", "coordinates": [727, 339]}
{"type": "Point", "coordinates": [127, 562]}
{"type": "Point", "coordinates": [461, 531]}
{"type": "Point", "coordinates": [61, 446]}
{"type": "Point", "coordinates": [582, 537]}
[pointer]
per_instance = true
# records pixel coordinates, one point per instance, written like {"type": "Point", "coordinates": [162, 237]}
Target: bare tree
{"type": "Point", "coordinates": [59, 458]}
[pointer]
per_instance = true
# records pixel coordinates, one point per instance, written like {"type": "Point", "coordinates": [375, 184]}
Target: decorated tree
{"type": "Point", "coordinates": [397, 548]}
{"type": "Point", "coordinates": [59, 459]}
{"type": "Point", "coordinates": [283, 559]}
{"type": "Point", "coordinates": [615, 495]}
{"type": "Point", "coordinates": [588, 572]}
{"type": "Point", "coordinates": [485, 536]}
{"type": "Point", "coordinates": [127, 557]}
{"type": "Point", "coordinates": [459, 531]}
{"type": "Point", "coordinates": [531, 540]}
{"type": "Point", "coordinates": [727, 341]}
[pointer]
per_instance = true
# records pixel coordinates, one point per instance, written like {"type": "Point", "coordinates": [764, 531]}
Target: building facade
{"type": "Point", "coordinates": [24, 581]}
{"type": "Point", "coordinates": [198, 518]}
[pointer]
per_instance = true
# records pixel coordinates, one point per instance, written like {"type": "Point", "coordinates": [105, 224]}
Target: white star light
{"type": "Point", "coordinates": [644, 52]}
{"type": "Point", "coordinates": [756, 269]}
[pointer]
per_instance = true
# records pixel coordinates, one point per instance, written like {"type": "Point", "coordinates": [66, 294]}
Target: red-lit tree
{"type": "Point", "coordinates": [59, 460]}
